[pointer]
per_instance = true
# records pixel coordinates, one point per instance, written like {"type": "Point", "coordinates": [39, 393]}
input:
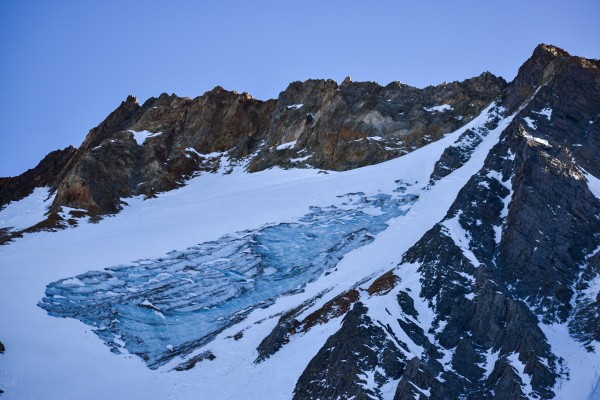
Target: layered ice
{"type": "Point", "coordinates": [170, 306]}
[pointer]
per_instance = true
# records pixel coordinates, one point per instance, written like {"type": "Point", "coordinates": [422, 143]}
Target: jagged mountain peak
{"type": "Point", "coordinates": [332, 127]}
{"type": "Point", "coordinates": [545, 63]}
{"type": "Point", "coordinates": [555, 51]}
{"type": "Point", "coordinates": [219, 91]}
{"type": "Point", "coordinates": [158, 146]}
{"type": "Point", "coordinates": [131, 99]}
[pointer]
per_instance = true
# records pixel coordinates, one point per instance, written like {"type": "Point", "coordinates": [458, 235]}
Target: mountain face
{"type": "Point", "coordinates": [342, 241]}
{"type": "Point", "coordinates": [156, 147]}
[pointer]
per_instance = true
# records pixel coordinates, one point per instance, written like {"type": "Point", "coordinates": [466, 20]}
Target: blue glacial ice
{"type": "Point", "coordinates": [162, 308]}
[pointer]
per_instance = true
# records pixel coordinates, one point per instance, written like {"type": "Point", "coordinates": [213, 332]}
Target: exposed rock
{"type": "Point", "coordinates": [417, 383]}
{"type": "Point", "coordinates": [289, 325]}
{"type": "Point", "coordinates": [277, 338]}
{"type": "Point", "coordinates": [339, 369]}
{"type": "Point", "coordinates": [334, 308]}
{"type": "Point", "coordinates": [383, 284]}
{"type": "Point", "coordinates": [457, 155]}
{"type": "Point", "coordinates": [534, 73]}
{"type": "Point", "coordinates": [44, 174]}
{"type": "Point", "coordinates": [362, 123]}
{"type": "Point", "coordinates": [155, 147]}
{"type": "Point", "coordinates": [191, 363]}
{"type": "Point", "coordinates": [113, 164]}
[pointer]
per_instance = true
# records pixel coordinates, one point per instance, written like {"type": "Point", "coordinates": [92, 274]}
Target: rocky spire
{"type": "Point", "coordinates": [535, 72]}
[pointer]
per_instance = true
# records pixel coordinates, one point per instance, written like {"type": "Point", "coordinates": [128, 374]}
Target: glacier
{"type": "Point", "coordinates": [149, 306]}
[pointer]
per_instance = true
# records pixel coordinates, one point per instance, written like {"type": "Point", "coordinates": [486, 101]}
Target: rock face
{"type": "Point", "coordinates": [157, 146]}
{"type": "Point", "coordinates": [44, 174]}
{"type": "Point", "coordinates": [475, 307]}
{"type": "Point", "coordinates": [335, 371]}
{"type": "Point", "coordinates": [115, 161]}
{"type": "Point", "coordinates": [357, 124]}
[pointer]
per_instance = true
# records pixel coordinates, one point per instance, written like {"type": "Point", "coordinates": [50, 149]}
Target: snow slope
{"type": "Point", "coordinates": [27, 211]}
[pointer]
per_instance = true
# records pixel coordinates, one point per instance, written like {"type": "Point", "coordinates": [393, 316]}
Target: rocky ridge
{"type": "Point", "coordinates": [155, 147]}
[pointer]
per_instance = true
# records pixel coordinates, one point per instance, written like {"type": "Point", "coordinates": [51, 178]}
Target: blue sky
{"type": "Point", "coordinates": [67, 64]}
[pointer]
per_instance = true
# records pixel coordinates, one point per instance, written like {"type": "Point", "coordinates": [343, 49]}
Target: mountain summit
{"type": "Point", "coordinates": [345, 240]}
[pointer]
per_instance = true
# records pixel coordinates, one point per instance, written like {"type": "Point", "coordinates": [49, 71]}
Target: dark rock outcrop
{"type": "Point", "coordinates": [340, 368]}
{"type": "Point", "coordinates": [44, 174]}
{"type": "Point", "coordinates": [362, 123]}
{"type": "Point", "coordinates": [191, 363]}
{"type": "Point", "coordinates": [113, 165]}
{"type": "Point", "coordinates": [534, 73]}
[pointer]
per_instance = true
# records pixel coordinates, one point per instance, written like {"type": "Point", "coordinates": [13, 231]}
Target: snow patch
{"type": "Point", "coordinates": [506, 202]}
{"type": "Point", "coordinates": [530, 123]}
{"type": "Point", "coordinates": [584, 366]}
{"type": "Point", "coordinates": [288, 145]}
{"type": "Point", "coordinates": [441, 108]}
{"type": "Point", "coordinates": [214, 154]}
{"type": "Point", "coordinates": [593, 290]}
{"type": "Point", "coordinates": [141, 136]}
{"type": "Point", "coordinates": [534, 139]}
{"type": "Point", "coordinates": [300, 159]}
{"type": "Point", "coordinates": [490, 361]}
{"type": "Point", "coordinates": [513, 358]}
{"type": "Point", "coordinates": [452, 228]}
{"type": "Point", "coordinates": [294, 106]}
{"type": "Point", "coordinates": [546, 112]}
{"type": "Point", "coordinates": [592, 182]}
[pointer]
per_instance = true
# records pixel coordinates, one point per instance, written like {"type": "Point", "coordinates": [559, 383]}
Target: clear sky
{"type": "Point", "coordinates": [65, 65]}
